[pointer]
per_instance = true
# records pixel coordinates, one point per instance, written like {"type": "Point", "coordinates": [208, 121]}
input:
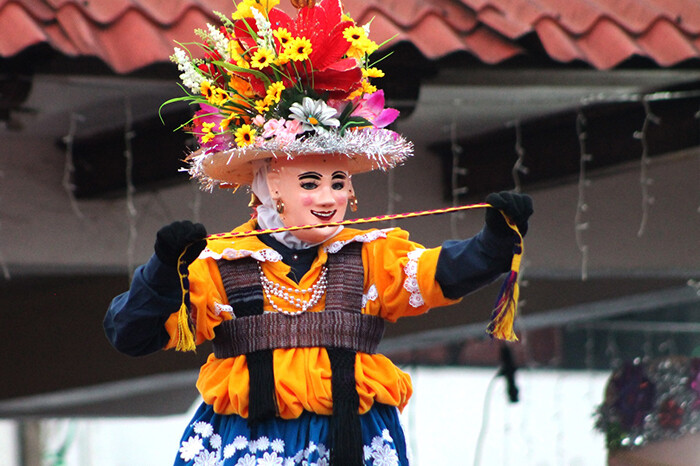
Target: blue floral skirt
{"type": "Point", "coordinates": [219, 440]}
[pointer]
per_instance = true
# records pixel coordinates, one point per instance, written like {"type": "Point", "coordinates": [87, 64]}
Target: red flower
{"type": "Point", "coordinates": [326, 71]}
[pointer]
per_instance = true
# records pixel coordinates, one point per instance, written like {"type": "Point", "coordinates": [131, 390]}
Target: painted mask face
{"type": "Point", "coordinates": [314, 190]}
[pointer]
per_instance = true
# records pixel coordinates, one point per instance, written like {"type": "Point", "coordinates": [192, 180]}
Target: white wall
{"type": "Point", "coordinates": [552, 425]}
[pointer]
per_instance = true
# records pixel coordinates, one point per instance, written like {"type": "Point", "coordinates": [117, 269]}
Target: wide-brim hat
{"type": "Point", "coordinates": [366, 149]}
{"type": "Point", "coordinates": [272, 86]}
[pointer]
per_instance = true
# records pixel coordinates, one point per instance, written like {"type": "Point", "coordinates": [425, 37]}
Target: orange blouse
{"type": "Point", "coordinates": [399, 280]}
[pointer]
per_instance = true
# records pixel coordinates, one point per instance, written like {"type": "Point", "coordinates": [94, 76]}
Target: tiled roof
{"type": "Point", "coordinates": [130, 34]}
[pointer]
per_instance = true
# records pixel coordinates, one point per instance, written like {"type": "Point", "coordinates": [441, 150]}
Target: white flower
{"type": "Point", "coordinates": [387, 436]}
{"type": "Point", "coordinates": [247, 460]}
{"type": "Point", "coordinates": [190, 448]}
{"type": "Point", "coordinates": [253, 446]}
{"type": "Point", "coordinates": [207, 458]}
{"type": "Point", "coordinates": [264, 31]}
{"type": "Point", "coordinates": [203, 428]}
{"type": "Point", "coordinates": [278, 445]}
{"type": "Point", "coordinates": [215, 441]}
{"type": "Point", "coordinates": [190, 77]}
{"type": "Point", "coordinates": [322, 450]}
{"type": "Point", "coordinates": [385, 456]}
{"type": "Point", "coordinates": [377, 442]}
{"type": "Point", "coordinates": [218, 41]}
{"type": "Point", "coordinates": [368, 452]}
{"type": "Point", "coordinates": [322, 462]}
{"type": "Point", "coordinates": [289, 462]}
{"type": "Point", "coordinates": [263, 443]}
{"type": "Point", "coordinates": [240, 442]}
{"type": "Point", "coordinates": [229, 451]}
{"type": "Point", "coordinates": [314, 114]}
{"type": "Point", "coordinates": [270, 459]}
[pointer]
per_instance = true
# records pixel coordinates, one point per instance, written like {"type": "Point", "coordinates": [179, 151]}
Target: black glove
{"type": "Point", "coordinates": [518, 208]}
{"type": "Point", "coordinates": [172, 239]}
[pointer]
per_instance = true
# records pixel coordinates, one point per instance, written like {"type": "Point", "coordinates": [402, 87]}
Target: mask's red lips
{"type": "Point", "coordinates": [324, 216]}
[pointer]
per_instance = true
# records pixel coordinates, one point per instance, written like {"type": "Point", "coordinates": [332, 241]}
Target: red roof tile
{"type": "Point", "coordinates": [130, 34]}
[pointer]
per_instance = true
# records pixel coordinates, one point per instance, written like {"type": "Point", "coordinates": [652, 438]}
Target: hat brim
{"type": "Point", "coordinates": [366, 150]}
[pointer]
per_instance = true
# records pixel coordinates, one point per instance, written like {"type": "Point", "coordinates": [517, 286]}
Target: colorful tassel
{"type": "Point", "coordinates": [185, 330]}
{"type": "Point", "coordinates": [505, 310]}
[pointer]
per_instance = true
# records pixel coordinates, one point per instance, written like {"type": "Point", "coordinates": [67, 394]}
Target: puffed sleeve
{"type": "Point", "coordinates": [208, 302]}
{"type": "Point", "coordinates": [401, 277]}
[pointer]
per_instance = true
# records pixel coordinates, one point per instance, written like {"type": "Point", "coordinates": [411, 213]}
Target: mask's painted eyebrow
{"type": "Point", "coordinates": [313, 175]}
{"type": "Point", "coordinates": [339, 174]}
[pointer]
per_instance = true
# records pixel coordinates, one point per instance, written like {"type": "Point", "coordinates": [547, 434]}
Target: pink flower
{"type": "Point", "coordinates": [259, 120]}
{"type": "Point", "coordinates": [209, 114]}
{"type": "Point", "coordinates": [272, 127]}
{"type": "Point", "coordinates": [371, 107]}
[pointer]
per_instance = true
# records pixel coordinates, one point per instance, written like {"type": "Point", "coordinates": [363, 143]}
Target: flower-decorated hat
{"type": "Point", "coordinates": [273, 86]}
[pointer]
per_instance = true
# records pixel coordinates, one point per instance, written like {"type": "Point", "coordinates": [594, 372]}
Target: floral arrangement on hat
{"type": "Point", "coordinates": [270, 82]}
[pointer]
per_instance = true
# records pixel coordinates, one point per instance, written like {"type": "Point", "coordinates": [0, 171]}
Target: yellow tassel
{"type": "Point", "coordinates": [503, 315]}
{"type": "Point", "coordinates": [185, 338]}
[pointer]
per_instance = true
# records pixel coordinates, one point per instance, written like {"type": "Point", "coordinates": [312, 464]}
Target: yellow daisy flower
{"type": "Point", "coordinates": [282, 35]}
{"type": "Point", "coordinates": [218, 97]}
{"type": "Point", "coordinates": [206, 89]}
{"type": "Point", "coordinates": [245, 136]}
{"type": "Point", "coordinates": [274, 92]}
{"type": "Point", "coordinates": [366, 88]}
{"type": "Point", "coordinates": [354, 34]}
{"type": "Point", "coordinates": [299, 49]}
{"type": "Point", "coordinates": [207, 134]}
{"type": "Point", "coordinates": [362, 47]}
{"type": "Point", "coordinates": [372, 73]}
{"type": "Point", "coordinates": [262, 106]}
{"type": "Point", "coordinates": [262, 58]}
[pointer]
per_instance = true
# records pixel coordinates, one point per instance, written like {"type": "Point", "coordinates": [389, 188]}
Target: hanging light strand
{"type": "Point", "coordinates": [580, 224]}
{"type": "Point", "coordinates": [644, 179]}
{"type": "Point", "coordinates": [457, 171]}
{"type": "Point", "coordinates": [519, 167]}
{"type": "Point", "coordinates": [3, 264]}
{"type": "Point", "coordinates": [130, 189]}
{"type": "Point", "coordinates": [68, 167]}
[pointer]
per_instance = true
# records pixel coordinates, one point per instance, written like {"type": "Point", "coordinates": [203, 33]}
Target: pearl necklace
{"type": "Point", "coordinates": [292, 296]}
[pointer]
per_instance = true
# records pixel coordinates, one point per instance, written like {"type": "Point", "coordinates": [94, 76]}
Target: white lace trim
{"type": "Point", "coordinates": [223, 308]}
{"type": "Point", "coordinates": [371, 295]}
{"type": "Point", "coordinates": [411, 282]}
{"type": "Point", "coordinates": [368, 237]}
{"type": "Point", "coordinates": [263, 255]}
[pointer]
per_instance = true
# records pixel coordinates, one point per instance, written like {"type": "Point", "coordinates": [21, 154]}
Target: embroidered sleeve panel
{"type": "Point", "coordinates": [410, 284]}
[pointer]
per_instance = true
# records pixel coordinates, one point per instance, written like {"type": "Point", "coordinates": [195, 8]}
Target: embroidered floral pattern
{"type": "Point", "coordinates": [364, 238]}
{"type": "Point", "coordinates": [263, 255]}
{"type": "Point", "coordinates": [371, 295]}
{"type": "Point", "coordinates": [411, 282]}
{"type": "Point", "coordinates": [264, 451]}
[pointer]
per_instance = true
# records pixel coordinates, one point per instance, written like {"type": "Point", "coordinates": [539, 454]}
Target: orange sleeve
{"type": "Point", "coordinates": [403, 273]}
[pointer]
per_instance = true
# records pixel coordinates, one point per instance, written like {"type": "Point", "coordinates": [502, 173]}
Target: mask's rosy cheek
{"type": "Point", "coordinates": [306, 201]}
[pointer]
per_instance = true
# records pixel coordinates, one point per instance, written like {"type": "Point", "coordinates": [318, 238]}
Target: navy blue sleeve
{"type": "Point", "coordinates": [467, 265]}
{"type": "Point", "coordinates": [135, 320]}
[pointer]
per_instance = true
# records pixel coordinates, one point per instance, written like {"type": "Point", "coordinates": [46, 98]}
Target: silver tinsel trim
{"type": "Point", "coordinates": [672, 410]}
{"type": "Point", "coordinates": [370, 148]}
